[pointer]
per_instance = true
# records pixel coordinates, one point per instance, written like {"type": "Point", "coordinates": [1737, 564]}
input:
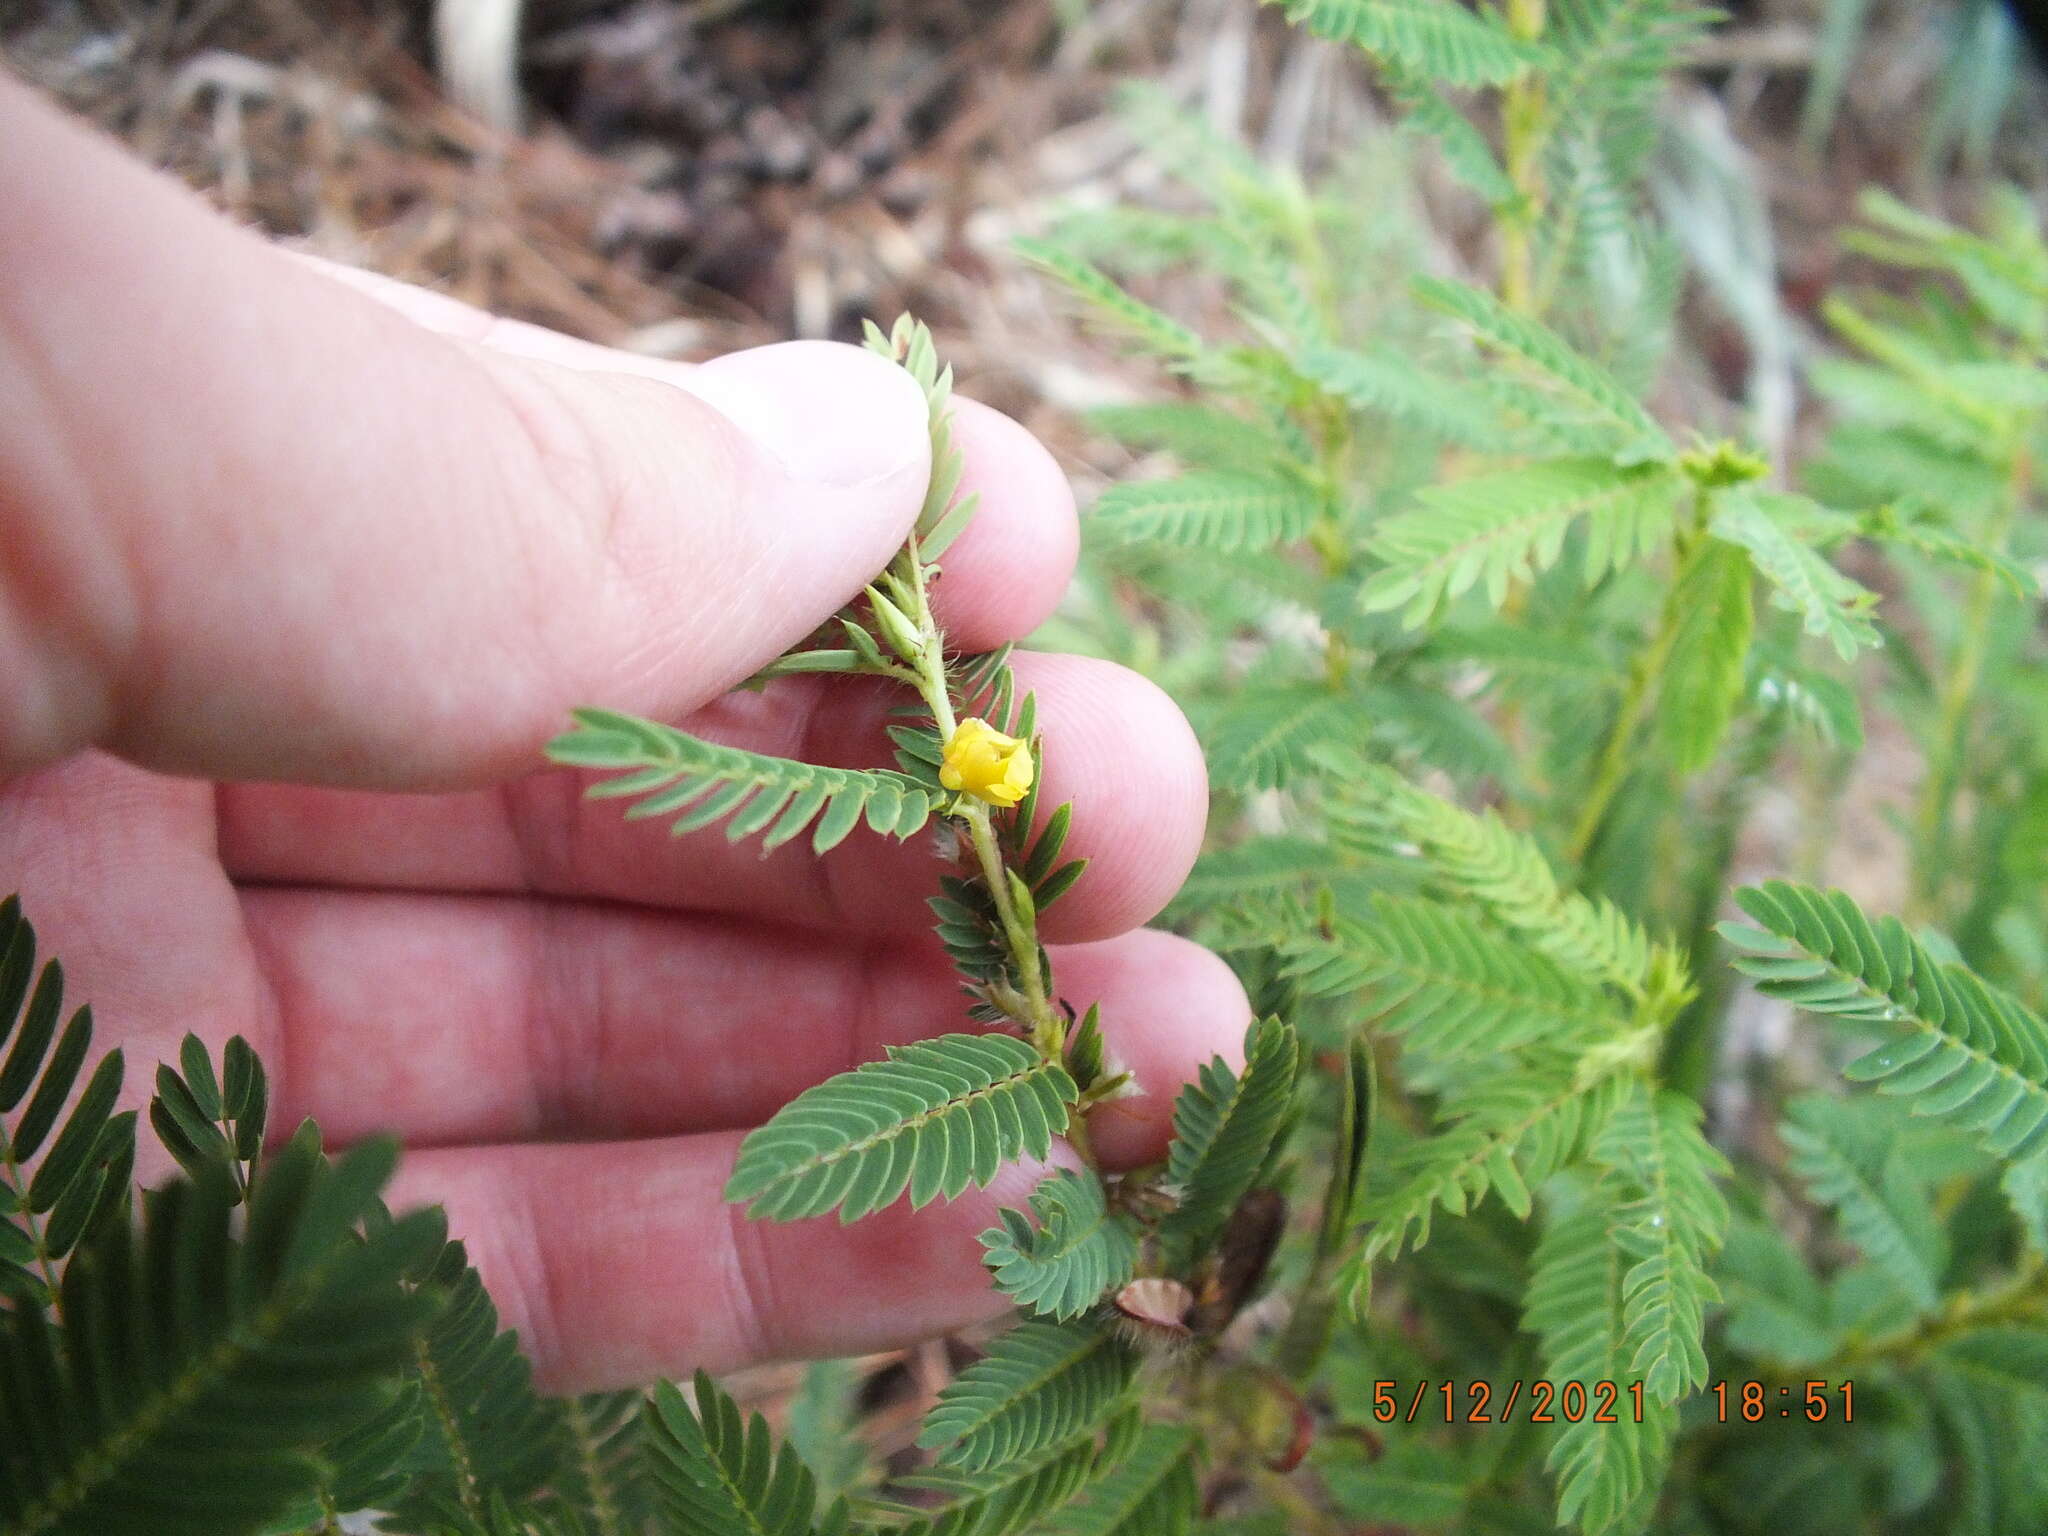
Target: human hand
{"type": "Point", "coordinates": [302, 568]}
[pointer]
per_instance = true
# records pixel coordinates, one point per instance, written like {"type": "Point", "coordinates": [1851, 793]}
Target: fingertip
{"type": "Point", "coordinates": [1122, 752]}
{"type": "Point", "coordinates": [830, 413]}
{"type": "Point", "coordinates": [1011, 566]}
{"type": "Point", "coordinates": [1169, 1006]}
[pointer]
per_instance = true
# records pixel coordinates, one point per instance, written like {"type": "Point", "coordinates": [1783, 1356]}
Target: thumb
{"type": "Point", "coordinates": [261, 526]}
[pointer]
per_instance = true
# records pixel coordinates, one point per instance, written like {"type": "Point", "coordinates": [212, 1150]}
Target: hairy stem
{"type": "Point", "coordinates": [450, 1423]}
{"type": "Point", "coordinates": [604, 1507]}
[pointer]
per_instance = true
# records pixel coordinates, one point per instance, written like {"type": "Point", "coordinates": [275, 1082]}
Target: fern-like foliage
{"type": "Point", "coordinates": [1959, 1048]}
{"type": "Point", "coordinates": [1266, 737]}
{"type": "Point", "coordinates": [1201, 436]}
{"type": "Point", "coordinates": [934, 1117]}
{"type": "Point", "coordinates": [1442, 41]}
{"type": "Point", "coordinates": [1451, 985]}
{"type": "Point", "coordinates": [1703, 682]}
{"type": "Point", "coordinates": [719, 1474]}
{"type": "Point", "coordinates": [1040, 1385]}
{"type": "Point", "coordinates": [1828, 603]}
{"type": "Point", "coordinates": [1152, 1491]}
{"type": "Point", "coordinates": [1607, 1474]}
{"type": "Point", "coordinates": [700, 782]}
{"type": "Point", "coordinates": [82, 1182]}
{"type": "Point", "coordinates": [197, 1373]}
{"type": "Point", "coordinates": [1851, 1162]}
{"type": "Point", "coordinates": [1613, 59]}
{"type": "Point", "coordinates": [1221, 510]}
{"type": "Point", "coordinates": [1480, 859]}
{"type": "Point", "coordinates": [1499, 530]}
{"type": "Point", "coordinates": [1505, 1134]}
{"type": "Point", "coordinates": [1383, 379]}
{"type": "Point", "coordinates": [1114, 309]}
{"type": "Point", "coordinates": [1224, 1127]}
{"type": "Point", "coordinates": [1576, 400]}
{"type": "Point", "coordinates": [204, 1119]}
{"type": "Point", "coordinates": [945, 513]}
{"type": "Point", "coordinates": [1078, 1251]}
{"type": "Point", "coordinates": [1012, 1497]}
{"type": "Point", "coordinates": [485, 1434]}
{"type": "Point", "coordinates": [1670, 1223]}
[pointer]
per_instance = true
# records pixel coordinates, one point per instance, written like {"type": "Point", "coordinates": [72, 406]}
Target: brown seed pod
{"type": "Point", "coordinates": [1243, 1251]}
{"type": "Point", "coordinates": [1155, 1312]}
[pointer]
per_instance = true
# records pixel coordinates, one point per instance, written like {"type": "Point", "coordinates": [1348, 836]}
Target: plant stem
{"type": "Point", "coordinates": [1956, 700]}
{"type": "Point", "coordinates": [1645, 679]}
{"type": "Point", "coordinates": [1019, 927]}
{"type": "Point", "coordinates": [2023, 1298]}
{"type": "Point", "coordinates": [1523, 110]}
{"type": "Point", "coordinates": [17, 1184]}
{"type": "Point", "coordinates": [1693, 1047]}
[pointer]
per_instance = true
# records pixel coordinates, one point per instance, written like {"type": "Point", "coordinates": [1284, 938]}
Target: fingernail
{"type": "Point", "coordinates": [830, 414]}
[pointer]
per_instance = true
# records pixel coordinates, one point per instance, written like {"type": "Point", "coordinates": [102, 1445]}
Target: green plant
{"type": "Point", "coordinates": [269, 1350]}
{"type": "Point", "coordinates": [1493, 664]}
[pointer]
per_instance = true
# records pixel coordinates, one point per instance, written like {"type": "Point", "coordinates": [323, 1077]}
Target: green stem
{"type": "Point", "coordinates": [17, 1184]}
{"type": "Point", "coordinates": [450, 1423]}
{"type": "Point", "coordinates": [1019, 927]}
{"type": "Point", "coordinates": [1524, 109]}
{"type": "Point", "coordinates": [1645, 679]}
{"type": "Point", "coordinates": [1694, 1044]}
{"type": "Point", "coordinates": [2022, 1299]}
{"type": "Point", "coordinates": [1327, 537]}
{"type": "Point", "coordinates": [1956, 704]}
{"type": "Point", "coordinates": [604, 1508]}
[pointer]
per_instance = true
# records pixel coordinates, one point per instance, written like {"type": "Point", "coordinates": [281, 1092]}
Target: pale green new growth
{"type": "Point", "coordinates": [1444, 42]}
{"type": "Point", "coordinates": [1434, 974]}
{"type": "Point", "coordinates": [1480, 859]}
{"type": "Point", "coordinates": [1496, 531]}
{"type": "Point", "coordinates": [1607, 1473]}
{"type": "Point", "coordinates": [1216, 510]}
{"type": "Point", "coordinates": [1564, 391]}
{"type": "Point", "coordinates": [1828, 603]}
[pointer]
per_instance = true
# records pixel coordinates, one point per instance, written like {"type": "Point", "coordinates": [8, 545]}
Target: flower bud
{"type": "Point", "coordinates": [981, 761]}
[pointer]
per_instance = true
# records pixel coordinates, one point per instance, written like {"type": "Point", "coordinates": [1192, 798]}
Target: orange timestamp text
{"type": "Point", "coordinates": [1488, 1402]}
{"type": "Point", "coordinates": [1753, 1402]}
{"type": "Point", "coordinates": [1599, 1402]}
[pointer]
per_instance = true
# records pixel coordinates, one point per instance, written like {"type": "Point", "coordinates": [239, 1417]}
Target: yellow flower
{"type": "Point", "coordinates": [986, 764]}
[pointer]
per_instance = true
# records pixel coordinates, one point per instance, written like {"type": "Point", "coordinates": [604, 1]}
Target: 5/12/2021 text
{"type": "Point", "coordinates": [1599, 1402]}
